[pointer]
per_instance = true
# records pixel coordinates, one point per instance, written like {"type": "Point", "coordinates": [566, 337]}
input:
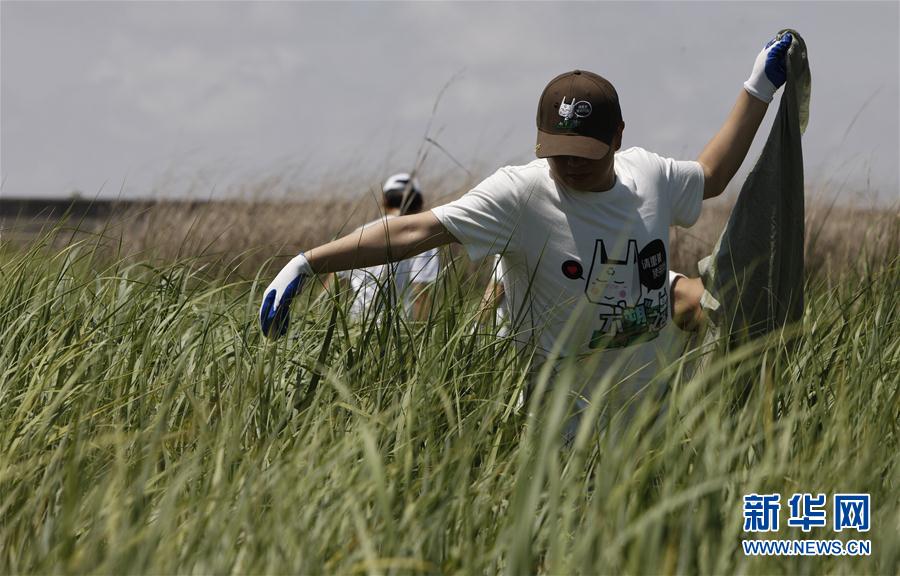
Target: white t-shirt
{"type": "Point", "coordinates": [585, 271]}
{"type": "Point", "coordinates": [367, 284]}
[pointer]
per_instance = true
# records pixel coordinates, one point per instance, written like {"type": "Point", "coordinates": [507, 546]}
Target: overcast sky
{"type": "Point", "coordinates": [151, 97]}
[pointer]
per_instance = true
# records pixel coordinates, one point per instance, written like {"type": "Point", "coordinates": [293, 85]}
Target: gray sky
{"type": "Point", "coordinates": [152, 98]}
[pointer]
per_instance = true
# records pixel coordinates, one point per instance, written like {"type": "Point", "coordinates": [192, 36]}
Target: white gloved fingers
{"type": "Point", "coordinates": [769, 71]}
{"type": "Point", "coordinates": [274, 313]}
{"type": "Point", "coordinates": [758, 84]}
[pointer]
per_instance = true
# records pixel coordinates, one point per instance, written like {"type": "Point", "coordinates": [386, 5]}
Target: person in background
{"type": "Point", "coordinates": [400, 283]}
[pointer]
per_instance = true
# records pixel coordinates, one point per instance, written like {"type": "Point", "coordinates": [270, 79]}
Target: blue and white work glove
{"type": "Point", "coordinates": [274, 314]}
{"type": "Point", "coordinates": [770, 69]}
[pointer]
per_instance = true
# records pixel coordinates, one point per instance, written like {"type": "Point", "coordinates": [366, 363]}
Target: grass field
{"type": "Point", "coordinates": [146, 427]}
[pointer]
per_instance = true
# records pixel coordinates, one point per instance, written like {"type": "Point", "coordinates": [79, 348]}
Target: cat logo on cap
{"type": "Point", "coordinates": [567, 111]}
{"type": "Point", "coordinates": [571, 112]}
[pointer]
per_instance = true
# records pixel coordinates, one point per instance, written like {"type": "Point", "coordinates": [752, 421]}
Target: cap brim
{"type": "Point", "coordinates": [569, 145]}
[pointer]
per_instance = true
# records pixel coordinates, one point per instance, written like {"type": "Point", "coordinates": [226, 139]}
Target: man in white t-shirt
{"type": "Point", "coordinates": [399, 283]}
{"type": "Point", "coordinates": [595, 261]}
{"type": "Point", "coordinates": [583, 230]}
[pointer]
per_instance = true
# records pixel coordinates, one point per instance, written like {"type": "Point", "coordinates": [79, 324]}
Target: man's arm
{"type": "Point", "coordinates": [398, 239]}
{"type": "Point", "coordinates": [726, 151]}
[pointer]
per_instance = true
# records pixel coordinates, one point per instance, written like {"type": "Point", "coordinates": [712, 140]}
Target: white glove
{"type": "Point", "coordinates": [274, 314]}
{"type": "Point", "coordinates": [770, 69]}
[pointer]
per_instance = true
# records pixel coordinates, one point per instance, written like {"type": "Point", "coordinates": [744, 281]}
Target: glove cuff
{"type": "Point", "coordinates": [302, 264]}
{"type": "Point", "coordinates": [760, 93]}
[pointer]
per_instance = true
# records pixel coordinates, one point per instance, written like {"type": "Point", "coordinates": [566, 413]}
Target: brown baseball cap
{"type": "Point", "coordinates": [578, 115]}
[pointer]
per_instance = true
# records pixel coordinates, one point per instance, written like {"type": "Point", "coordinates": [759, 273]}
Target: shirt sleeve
{"type": "Point", "coordinates": [683, 181]}
{"type": "Point", "coordinates": [484, 219]}
{"type": "Point", "coordinates": [425, 267]}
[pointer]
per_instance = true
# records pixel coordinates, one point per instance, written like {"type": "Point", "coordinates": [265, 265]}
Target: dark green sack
{"type": "Point", "coordinates": [754, 277]}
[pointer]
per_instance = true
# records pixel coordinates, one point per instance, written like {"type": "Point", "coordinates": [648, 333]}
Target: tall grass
{"type": "Point", "coordinates": [146, 427]}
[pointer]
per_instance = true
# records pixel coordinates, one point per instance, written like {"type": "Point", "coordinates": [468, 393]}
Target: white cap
{"type": "Point", "coordinates": [399, 182]}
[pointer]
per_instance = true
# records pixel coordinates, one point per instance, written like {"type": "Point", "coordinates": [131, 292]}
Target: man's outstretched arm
{"type": "Point", "coordinates": [397, 239]}
{"type": "Point", "coordinates": [726, 151]}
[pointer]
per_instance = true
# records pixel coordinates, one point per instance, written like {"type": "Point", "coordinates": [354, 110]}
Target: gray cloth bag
{"type": "Point", "coordinates": [754, 276]}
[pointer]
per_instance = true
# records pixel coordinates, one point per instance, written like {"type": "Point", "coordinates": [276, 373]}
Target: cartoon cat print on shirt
{"type": "Point", "coordinates": [631, 294]}
{"type": "Point", "coordinates": [613, 285]}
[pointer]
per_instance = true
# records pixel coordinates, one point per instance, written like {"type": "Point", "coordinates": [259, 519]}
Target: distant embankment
{"type": "Point", "coordinates": [77, 208]}
{"type": "Point", "coordinates": [149, 221]}
{"type": "Point", "coordinates": [23, 219]}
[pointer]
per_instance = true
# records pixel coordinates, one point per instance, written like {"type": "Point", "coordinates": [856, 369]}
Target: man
{"type": "Point", "coordinates": [583, 230]}
{"type": "Point", "coordinates": [386, 285]}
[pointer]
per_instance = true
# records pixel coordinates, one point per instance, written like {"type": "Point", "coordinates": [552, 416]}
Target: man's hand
{"type": "Point", "coordinates": [723, 155]}
{"type": "Point", "coordinates": [769, 70]}
{"type": "Point", "coordinates": [274, 314]}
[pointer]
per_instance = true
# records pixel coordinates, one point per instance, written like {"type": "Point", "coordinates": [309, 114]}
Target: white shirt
{"type": "Point", "coordinates": [368, 284]}
{"type": "Point", "coordinates": [595, 260]}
